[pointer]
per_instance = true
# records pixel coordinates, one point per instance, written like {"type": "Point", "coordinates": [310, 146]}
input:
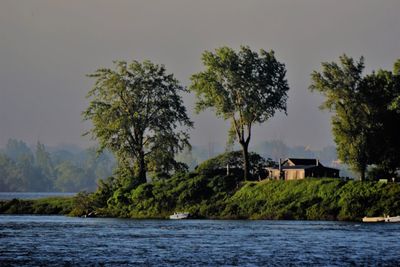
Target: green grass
{"type": "Point", "coordinates": [223, 197]}
{"type": "Point", "coordinates": [314, 199]}
{"type": "Point", "coordinates": [44, 206]}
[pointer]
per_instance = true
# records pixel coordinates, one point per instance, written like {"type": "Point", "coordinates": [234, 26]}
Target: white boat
{"type": "Point", "coordinates": [392, 219]}
{"type": "Point", "coordinates": [373, 219]}
{"type": "Point", "coordinates": [179, 215]}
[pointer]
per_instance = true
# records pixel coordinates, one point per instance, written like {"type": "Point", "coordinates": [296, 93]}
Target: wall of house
{"type": "Point", "coordinates": [274, 174]}
{"type": "Point", "coordinates": [298, 174]}
{"type": "Point", "coordinates": [294, 174]}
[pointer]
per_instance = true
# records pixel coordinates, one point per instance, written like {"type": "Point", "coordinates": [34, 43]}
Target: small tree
{"type": "Point", "coordinates": [244, 87]}
{"type": "Point", "coordinates": [136, 111]}
{"type": "Point", "coordinates": [234, 160]}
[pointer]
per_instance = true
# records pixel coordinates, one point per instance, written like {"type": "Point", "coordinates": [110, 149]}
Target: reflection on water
{"type": "Point", "coordinates": [58, 240]}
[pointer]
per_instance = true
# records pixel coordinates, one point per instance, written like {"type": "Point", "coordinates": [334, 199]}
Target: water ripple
{"type": "Point", "coordinates": [65, 241]}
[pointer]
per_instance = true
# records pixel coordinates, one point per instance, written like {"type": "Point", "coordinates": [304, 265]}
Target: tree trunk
{"type": "Point", "coordinates": [246, 161]}
{"type": "Point", "coordinates": [142, 168]}
{"type": "Point", "coordinates": [362, 175]}
{"type": "Point", "coordinates": [363, 171]}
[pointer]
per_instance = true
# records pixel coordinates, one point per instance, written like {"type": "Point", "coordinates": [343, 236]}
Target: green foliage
{"type": "Point", "coordinates": [244, 87]}
{"type": "Point", "coordinates": [278, 200]}
{"type": "Point", "coordinates": [341, 85]}
{"type": "Point", "coordinates": [70, 178]}
{"type": "Point", "coordinates": [357, 200]}
{"type": "Point", "coordinates": [84, 204]}
{"type": "Point", "coordinates": [313, 199]}
{"type": "Point", "coordinates": [138, 114]}
{"type": "Point", "coordinates": [199, 194]}
{"type": "Point", "coordinates": [364, 121]}
{"type": "Point", "coordinates": [50, 206]}
{"type": "Point", "coordinates": [218, 164]}
{"type": "Point", "coordinates": [221, 197]}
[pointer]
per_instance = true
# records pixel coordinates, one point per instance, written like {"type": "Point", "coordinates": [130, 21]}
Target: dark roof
{"type": "Point", "coordinates": [303, 167]}
{"type": "Point", "coordinates": [304, 162]}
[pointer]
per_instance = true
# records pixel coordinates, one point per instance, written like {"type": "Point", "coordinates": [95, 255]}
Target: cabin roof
{"type": "Point", "coordinates": [304, 162]}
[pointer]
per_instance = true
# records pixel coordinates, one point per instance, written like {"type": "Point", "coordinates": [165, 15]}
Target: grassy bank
{"type": "Point", "coordinates": [222, 197]}
{"type": "Point", "coordinates": [314, 199]}
{"type": "Point", "coordinates": [43, 206]}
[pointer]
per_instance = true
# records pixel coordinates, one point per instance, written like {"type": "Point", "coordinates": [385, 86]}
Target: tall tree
{"type": "Point", "coordinates": [381, 87]}
{"type": "Point", "coordinates": [341, 86]}
{"type": "Point", "coordinates": [244, 87]}
{"type": "Point", "coordinates": [136, 110]}
{"type": "Point", "coordinates": [16, 149]}
{"type": "Point", "coordinates": [43, 161]}
{"type": "Point", "coordinates": [395, 105]}
{"type": "Point", "coordinates": [364, 119]}
{"type": "Point", "coordinates": [8, 174]}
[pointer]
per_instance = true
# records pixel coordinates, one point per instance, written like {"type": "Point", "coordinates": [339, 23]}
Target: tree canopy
{"type": "Point", "coordinates": [364, 117]}
{"type": "Point", "coordinates": [232, 162]}
{"type": "Point", "coordinates": [137, 112]}
{"type": "Point", "coordinates": [244, 87]}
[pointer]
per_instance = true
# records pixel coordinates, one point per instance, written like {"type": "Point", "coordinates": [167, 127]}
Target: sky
{"type": "Point", "coordinates": [47, 47]}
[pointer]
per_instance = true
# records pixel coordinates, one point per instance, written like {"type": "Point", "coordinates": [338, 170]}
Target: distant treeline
{"type": "Point", "coordinates": [23, 169]}
{"type": "Point", "coordinates": [64, 169]}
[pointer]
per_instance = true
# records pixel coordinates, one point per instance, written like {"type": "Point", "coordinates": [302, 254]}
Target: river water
{"type": "Point", "coordinates": [66, 241]}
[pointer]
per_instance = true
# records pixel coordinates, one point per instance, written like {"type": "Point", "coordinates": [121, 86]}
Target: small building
{"type": "Point", "coordinates": [297, 169]}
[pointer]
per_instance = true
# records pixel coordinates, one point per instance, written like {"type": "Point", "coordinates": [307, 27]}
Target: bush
{"type": "Point", "coordinates": [218, 165]}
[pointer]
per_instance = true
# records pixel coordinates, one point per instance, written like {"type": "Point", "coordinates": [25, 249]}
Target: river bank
{"type": "Point", "coordinates": [41, 206]}
{"type": "Point", "coordinates": [210, 197]}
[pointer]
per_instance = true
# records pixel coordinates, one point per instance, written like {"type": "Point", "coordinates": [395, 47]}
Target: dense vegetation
{"type": "Point", "coordinates": [53, 206]}
{"type": "Point", "coordinates": [208, 192]}
{"type": "Point", "coordinates": [225, 197]}
{"type": "Point", "coordinates": [245, 87]}
{"type": "Point", "coordinates": [211, 191]}
{"type": "Point", "coordinates": [24, 170]}
{"type": "Point", "coordinates": [365, 114]}
{"type": "Point", "coordinates": [137, 112]}
{"type": "Point", "coordinates": [314, 199]}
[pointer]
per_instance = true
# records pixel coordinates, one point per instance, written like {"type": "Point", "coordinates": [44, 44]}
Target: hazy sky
{"type": "Point", "coordinates": [47, 47]}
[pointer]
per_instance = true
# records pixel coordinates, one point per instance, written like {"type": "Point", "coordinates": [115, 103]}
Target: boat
{"type": "Point", "coordinates": [373, 219]}
{"type": "Point", "coordinates": [392, 219]}
{"type": "Point", "coordinates": [179, 215]}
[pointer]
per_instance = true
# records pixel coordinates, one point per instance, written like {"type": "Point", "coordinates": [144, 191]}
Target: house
{"type": "Point", "coordinates": [297, 169]}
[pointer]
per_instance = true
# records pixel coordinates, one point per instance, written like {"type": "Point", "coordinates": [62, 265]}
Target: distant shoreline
{"type": "Point", "coordinates": [33, 195]}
